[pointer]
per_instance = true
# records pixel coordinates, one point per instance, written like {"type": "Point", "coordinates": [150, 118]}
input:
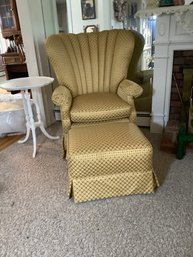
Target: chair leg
{"type": "Point", "coordinates": [64, 154]}
{"type": "Point", "coordinates": [64, 148]}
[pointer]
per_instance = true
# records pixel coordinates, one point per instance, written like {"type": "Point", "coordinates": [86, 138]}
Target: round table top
{"type": "Point", "coordinates": [26, 83]}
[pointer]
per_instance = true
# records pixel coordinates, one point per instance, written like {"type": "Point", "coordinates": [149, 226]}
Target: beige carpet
{"type": "Point", "coordinates": [37, 219]}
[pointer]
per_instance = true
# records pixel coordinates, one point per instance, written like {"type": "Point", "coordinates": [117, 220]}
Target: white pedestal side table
{"type": "Point", "coordinates": [26, 84]}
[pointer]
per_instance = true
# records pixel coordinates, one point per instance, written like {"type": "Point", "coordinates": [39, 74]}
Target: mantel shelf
{"type": "Point", "coordinates": [183, 13]}
{"type": "Point", "coordinates": [180, 9]}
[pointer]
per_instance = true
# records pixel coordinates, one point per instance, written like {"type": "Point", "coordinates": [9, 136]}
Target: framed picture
{"type": "Point", "coordinates": [90, 28]}
{"type": "Point", "coordinates": [88, 9]}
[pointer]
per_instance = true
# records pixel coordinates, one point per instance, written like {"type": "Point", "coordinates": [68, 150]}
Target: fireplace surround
{"type": "Point", "coordinates": [174, 32]}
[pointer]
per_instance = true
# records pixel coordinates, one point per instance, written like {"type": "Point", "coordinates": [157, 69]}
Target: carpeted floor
{"type": "Point", "coordinates": [37, 219]}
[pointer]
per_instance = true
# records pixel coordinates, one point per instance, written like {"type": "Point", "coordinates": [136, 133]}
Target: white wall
{"type": "Point", "coordinates": [35, 27]}
{"type": "Point", "coordinates": [103, 15]}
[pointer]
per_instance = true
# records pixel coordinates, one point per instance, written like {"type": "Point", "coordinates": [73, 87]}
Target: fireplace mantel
{"type": "Point", "coordinates": [183, 13]}
{"type": "Point", "coordinates": [164, 10]}
{"type": "Point", "coordinates": [174, 31]}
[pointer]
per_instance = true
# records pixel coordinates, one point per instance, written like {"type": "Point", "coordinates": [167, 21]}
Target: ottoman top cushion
{"type": "Point", "coordinates": [106, 138]}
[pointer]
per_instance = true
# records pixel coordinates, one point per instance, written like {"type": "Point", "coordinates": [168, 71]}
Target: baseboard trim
{"type": "Point", "coordinates": [143, 119]}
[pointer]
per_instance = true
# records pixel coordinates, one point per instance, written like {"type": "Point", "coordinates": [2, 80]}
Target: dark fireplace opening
{"type": "Point", "coordinates": [182, 81]}
{"type": "Point", "coordinates": [180, 99]}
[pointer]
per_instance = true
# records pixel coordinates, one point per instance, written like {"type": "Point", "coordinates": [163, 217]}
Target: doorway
{"type": "Point", "coordinates": [61, 9]}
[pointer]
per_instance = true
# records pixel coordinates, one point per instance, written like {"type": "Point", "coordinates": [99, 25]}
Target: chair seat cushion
{"type": "Point", "coordinates": [99, 107]}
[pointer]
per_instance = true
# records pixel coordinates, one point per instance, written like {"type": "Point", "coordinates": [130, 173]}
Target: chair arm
{"type": "Point", "coordinates": [128, 88]}
{"type": "Point", "coordinates": [62, 97]}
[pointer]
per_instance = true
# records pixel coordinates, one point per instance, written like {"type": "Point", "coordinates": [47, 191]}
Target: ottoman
{"type": "Point", "coordinates": [106, 160]}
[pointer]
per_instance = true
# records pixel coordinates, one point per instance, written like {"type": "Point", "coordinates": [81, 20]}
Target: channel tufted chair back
{"type": "Point", "coordinates": [91, 70]}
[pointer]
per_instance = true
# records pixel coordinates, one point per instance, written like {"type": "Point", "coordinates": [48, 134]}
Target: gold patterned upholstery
{"type": "Point", "coordinates": [91, 69]}
{"type": "Point", "coordinates": [98, 107]}
{"type": "Point", "coordinates": [106, 160]}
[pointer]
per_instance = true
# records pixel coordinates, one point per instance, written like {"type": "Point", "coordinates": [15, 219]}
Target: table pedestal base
{"type": "Point", "coordinates": [31, 124]}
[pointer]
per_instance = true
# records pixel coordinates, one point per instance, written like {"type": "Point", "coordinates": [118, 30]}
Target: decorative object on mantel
{"type": "Point", "coordinates": [152, 3]}
{"type": "Point", "coordinates": [163, 3]}
{"type": "Point", "coordinates": [179, 2]}
{"type": "Point", "coordinates": [184, 14]}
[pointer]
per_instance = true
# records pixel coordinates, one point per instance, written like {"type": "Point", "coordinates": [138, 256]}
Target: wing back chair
{"type": "Point", "coordinates": [91, 70]}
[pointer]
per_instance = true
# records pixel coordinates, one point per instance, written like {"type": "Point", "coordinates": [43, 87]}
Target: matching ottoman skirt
{"type": "Point", "coordinates": [106, 160]}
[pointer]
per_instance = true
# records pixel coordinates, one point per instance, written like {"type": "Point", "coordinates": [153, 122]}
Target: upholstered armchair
{"type": "Point", "coordinates": [91, 70]}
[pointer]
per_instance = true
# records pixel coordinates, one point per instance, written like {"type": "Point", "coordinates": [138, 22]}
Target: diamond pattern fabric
{"type": "Point", "coordinates": [106, 160]}
{"type": "Point", "coordinates": [99, 106]}
{"type": "Point", "coordinates": [94, 62]}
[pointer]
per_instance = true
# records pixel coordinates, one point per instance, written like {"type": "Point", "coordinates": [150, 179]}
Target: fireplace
{"type": "Point", "coordinates": [174, 32]}
{"type": "Point", "coordinates": [182, 81]}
